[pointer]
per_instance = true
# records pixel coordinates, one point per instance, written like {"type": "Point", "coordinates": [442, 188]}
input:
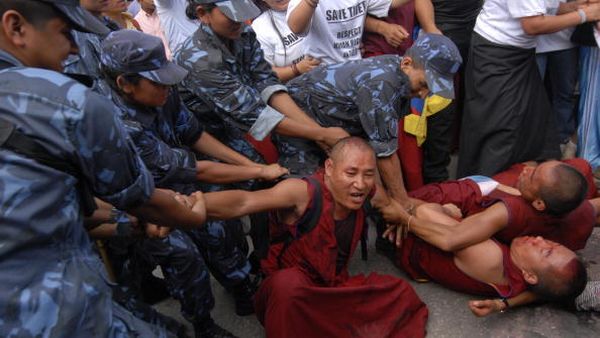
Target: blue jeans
{"type": "Point", "coordinates": [559, 70]}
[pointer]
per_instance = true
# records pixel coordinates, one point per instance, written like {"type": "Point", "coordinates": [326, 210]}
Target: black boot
{"type": "Point", "coordinates": [243, 294]}
{"type": "Point", "coordinates": [207, 328]}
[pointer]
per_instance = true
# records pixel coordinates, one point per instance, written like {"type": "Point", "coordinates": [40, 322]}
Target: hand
{"type": "Point", "coordinates": [154, 231]}
{"type": "Point", "coordinates": [394, 212]}
{"type": "Point", "coordinates": [394, 34]}
{"type": "Point", "coordinates": [272, 171]}
{"type": "Point", "coordinates": [482, 308]}
{"type": "Point", "coordinates": [452, 211]}
{"type": "Point", "coordinates": [198, 207]}
{"type": "Point", "coordinates": [333, 135]}
{"type": "Point", "coordinates": [592, 12]}
{"type": "Point", "coordinates": [307, 64]}
{"type": "Point", "coordinates": [395, 234]}
{"type": "Point", "coordinates": [184, 200]}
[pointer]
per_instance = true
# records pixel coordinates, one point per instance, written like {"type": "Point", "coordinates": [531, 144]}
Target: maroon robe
{"type": "Point", "coordinates": [421, 260]}
{"type": "Point", "coordinates": [571, 230]}
{"type": "Point", "coordinates": [511, 175]}
{"type": "Point", "coordinates": [303, 296]}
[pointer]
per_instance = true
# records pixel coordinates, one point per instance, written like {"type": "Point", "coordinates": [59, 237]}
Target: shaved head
{"type": "Point", "coordinates": [352, 142]}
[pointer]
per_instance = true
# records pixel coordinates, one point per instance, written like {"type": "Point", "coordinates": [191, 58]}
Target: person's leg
{"type": "Point", "coordinates": [562, 75]}
{"type": "Point", "coordinates": [542, 62]}
{"type": "Point", "coordinates": [226, 261]}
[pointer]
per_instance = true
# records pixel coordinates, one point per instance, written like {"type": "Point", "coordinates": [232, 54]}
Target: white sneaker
{"type": "Point", "coordinates": [568, 150]}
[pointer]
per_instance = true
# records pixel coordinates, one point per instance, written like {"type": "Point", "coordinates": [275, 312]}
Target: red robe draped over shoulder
{"type": "Point", "coordinates": [422, 260]}
{"type": "Point", "coordinates": [304, 297]}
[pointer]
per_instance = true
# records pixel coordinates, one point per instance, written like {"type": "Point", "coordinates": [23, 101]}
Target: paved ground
{"type": "Point", "coordinates": [448, 312]}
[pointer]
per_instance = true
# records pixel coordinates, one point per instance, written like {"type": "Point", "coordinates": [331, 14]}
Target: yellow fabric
{"type": "Point", "coordinates": [417, 124]}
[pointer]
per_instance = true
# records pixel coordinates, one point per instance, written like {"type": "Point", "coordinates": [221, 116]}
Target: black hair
{"type": "Point", "coordinates": [567, 191]}
{"type": "Point", "coordinates": [562, 285]}
{"type": "Point", "coordinates": [190, 10]}
{"type": "Point", "coordinates": [110, 76]}
{"type": "Point", "coordinates": [36, 13]}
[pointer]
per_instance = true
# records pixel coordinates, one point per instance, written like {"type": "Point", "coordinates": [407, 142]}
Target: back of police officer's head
{"type": "Point", "coordinates": [35, 33]}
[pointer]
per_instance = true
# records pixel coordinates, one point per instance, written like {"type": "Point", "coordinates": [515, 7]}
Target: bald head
{"type": "Point", "coordinates": [564, 191]}
{"type": "Point", "coordinates": [561, 284]}
{"type": "Point", "coordinates": [351, 143]}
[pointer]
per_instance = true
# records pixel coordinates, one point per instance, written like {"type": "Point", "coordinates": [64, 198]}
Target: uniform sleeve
{"type": "Point", "coordinates": [379, 8]}
{"type": "Point", "coordinates": [375, 101]}
{"type": "Point", "coordinates": [187, 127]}
{"type": "Point", "coordinates": [239, 103]}
{"type": "Point", "coordinates": [108, 158]}
{"type": "Point", "coordinates": [167, 164]}
{"type": "Point", "coordinates": [521, 9]}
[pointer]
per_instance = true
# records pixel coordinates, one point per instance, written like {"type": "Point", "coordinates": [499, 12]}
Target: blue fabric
{"type": "Point", "coordinates": [588, 145]}
{"type": "Point", "coordinates": [51, 283]}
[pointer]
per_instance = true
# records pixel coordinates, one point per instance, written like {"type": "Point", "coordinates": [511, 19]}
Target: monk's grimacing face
{"type": "Point", "coordinates": [536, 254]}
{"type": "Point", "coordinates": [351, 176]}
{"type": "Point", "coordinates": [532, 179]}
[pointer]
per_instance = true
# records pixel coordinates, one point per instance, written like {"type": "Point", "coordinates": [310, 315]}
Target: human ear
{"type": "Point", "coordinates": [539, 205]}
{"type": "Point", "coordinates": [202, 14]}
{"type": "Point", "coordinates": [530, 277]}
{"type": "Point", "coordinates": [124, 85]}
{"type": "Point", "coordinates": [13, 26]}
{"type": "Point", "coordinates": [329, 167]}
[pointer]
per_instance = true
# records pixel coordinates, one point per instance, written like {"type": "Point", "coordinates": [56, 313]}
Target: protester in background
{"type": "Point", "coordinates": [149, 23]}
{"type": "Point", "coordinates": [506, 117]}
{"type": "Point", "coordinates": [283, 49]}
{"type": "Point", "coordinates": [117, 12]}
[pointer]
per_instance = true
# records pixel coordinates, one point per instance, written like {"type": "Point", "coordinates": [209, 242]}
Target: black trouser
{"type": "Point", "coordinates": [442, 128]}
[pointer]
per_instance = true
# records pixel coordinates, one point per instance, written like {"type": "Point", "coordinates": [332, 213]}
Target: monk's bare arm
{"type": "Point", "coordinates": [290, 193]}
{"type": "Point", "coordinates": [471, 230]}
{"type": "Point", "coordinates": [484, 307]}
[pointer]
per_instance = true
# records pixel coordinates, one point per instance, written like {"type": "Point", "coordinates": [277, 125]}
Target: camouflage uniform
{"type": "Point", "coordinates": [164, 137]}
{"type": "Point", "coordinates": [365, 97]}
{"type": "Point", "coordinates": [87, 60]}
{"type": "Point", "coordinates": [51, 282]}
{"type": "Point", "coordinates": [227, 91]}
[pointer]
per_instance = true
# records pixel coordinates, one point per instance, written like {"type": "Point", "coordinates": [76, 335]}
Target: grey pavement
{"type": "Point", "coordinates": [449, 315]}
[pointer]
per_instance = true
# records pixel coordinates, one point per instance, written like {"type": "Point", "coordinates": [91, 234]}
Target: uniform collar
{"type": "Point", "coordinates": [8, 61]}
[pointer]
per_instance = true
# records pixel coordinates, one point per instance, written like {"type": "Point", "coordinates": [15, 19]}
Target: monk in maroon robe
{"type": "Point", "coordinates": [314, 231]}
{"type": "Point", "coordinates": [544, 268]}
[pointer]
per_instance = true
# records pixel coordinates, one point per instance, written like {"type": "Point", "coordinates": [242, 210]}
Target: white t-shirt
{"type": "Point", "coordinates": [336, 28]}
{"type": "Point", "coordinates": [279, 44]}
{"type": "Point", "coordinates": [176, 25]}
{"type": "Point", "coordinates": [560, 40]}
{"type": "Point", "coordinates": [500, 21]}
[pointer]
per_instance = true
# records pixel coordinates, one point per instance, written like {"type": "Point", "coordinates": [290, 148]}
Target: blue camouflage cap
{"type": "Point", "coordinates": [236, 10]}
{"type": "Point", "coordinates": [441, 60]}
{"type": "Point", "coordinates": [133, 52]}
{"type": "Point", "coordinates": [80, 19]}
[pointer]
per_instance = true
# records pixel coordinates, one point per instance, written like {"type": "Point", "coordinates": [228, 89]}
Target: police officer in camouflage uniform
{"type": "Point", "coordinates": [231, 88]}
{"type": "Point", "coordinates": [86, 62]}
{"type": "Point", "coordinates": [366, 98]}
{"type": "Point", "coordinates": [51, 283]}
{"type": "Point", "coordinates": [168, 136]}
